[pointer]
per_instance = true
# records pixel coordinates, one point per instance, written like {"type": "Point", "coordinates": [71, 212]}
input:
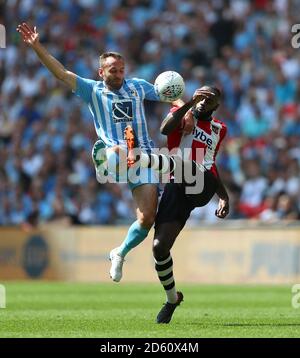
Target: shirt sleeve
{"type": "Point", "coordinates": [149, 91]}
{"type": "Point", "coordinates": [222, 136]}
{"type": "Point", "coordinates": [174, 109]}
{"type": "Point", "coordinates": [223, 131]}
{"type": "Point", "coordinates": [84, 88]}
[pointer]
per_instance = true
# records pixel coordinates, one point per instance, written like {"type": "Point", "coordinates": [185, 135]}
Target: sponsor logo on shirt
{"type": "Point", "coordinates": [201, 136]}
{"type": "Point", "coordinates": [122, 111]}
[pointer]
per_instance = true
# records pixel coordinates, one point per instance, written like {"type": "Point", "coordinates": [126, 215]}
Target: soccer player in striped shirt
{"type": "Point", "coordinates": [177, 202]}
{"type": "Point", "coordinates": [114, 103]}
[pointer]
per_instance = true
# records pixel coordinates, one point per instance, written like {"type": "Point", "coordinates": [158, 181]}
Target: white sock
{"type": "Point", "coordinates": [172, 295]}
{"type": "Point", "coordinates": [164, 269]}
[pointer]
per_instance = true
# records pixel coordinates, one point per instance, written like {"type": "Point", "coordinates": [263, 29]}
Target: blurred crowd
{"type": "Point", "coordinates": [46, 133]}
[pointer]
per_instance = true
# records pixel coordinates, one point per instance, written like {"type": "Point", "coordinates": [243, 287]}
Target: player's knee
{"type": "Point", "coordinates": [159, 250]}
{"type": "Point", "coordinates": [146, 219]}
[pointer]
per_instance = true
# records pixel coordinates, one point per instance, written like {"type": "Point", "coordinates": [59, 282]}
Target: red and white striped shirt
{"type": "Point", "coordinates": [206, 135]}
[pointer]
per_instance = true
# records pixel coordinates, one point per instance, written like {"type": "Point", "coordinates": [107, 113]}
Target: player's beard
{"type": "Point", "coordinates": [114, 84]}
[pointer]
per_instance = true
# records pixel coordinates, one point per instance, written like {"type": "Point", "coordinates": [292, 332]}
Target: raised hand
{"type": "Point", "coordinates": [31, 37]}
{"type": "Point", "coordinates": [199, 94]}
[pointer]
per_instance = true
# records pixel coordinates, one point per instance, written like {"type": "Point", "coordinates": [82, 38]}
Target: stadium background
{"type": "Point", "coordinates": [46, 133]}
{"type": "Point", "coordinates": [50, 200]}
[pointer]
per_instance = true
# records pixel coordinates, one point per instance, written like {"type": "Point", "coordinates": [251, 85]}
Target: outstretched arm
{"type": "Point", "coordinates": [31, 37]}
{"type": "Point", "coordinates": [173, 120]}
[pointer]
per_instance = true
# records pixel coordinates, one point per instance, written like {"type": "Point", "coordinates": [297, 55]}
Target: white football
{"type": "Point", "coordinates": [169, 86]}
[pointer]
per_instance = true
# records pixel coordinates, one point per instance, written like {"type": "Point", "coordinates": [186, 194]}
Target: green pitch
{"type": "Point", "coordinates": [128, 310]}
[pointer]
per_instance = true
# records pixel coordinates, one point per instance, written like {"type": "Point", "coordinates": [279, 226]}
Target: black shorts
{"type": "Point", "coordinates": [176, 205]}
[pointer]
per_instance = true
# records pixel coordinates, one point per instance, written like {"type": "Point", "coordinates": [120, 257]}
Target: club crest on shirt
{"type": "Point", "coordinates": [134, 93]}
{"type": "Point", "coordinates": [122, 111]}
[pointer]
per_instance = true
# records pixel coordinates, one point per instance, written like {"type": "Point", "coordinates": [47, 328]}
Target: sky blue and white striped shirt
{"type": "Point", "coordinates": [114, 110]}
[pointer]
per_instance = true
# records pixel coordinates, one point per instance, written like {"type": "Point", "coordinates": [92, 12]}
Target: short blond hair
{"type": "Point", "coordinates": [105, 55]}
